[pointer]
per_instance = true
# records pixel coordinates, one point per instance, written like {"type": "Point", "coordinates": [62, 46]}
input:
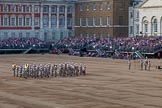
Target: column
{"type": "Point", "coordinates": [41, 16]}
{"type": "Point", "coordinates": [58, 16]}
{"type": "Point", "coordinates": [33, 17]}
{"type": "Point", "coordinates": [49, 15]}
{"type": "Point", "coordinates": [66, 17]}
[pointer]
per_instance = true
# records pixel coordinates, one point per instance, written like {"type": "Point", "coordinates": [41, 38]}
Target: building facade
{"type": "Point", "coordinates": [44, 19]}
{"type": "Point", "coordinates": [145, 19]}
{"type": "Point", "coordinates": [101, 18]}
{"type": "Point", "coordinates": [150, 19]}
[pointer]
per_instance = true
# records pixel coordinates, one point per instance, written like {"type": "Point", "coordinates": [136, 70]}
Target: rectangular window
{"type": "Point", "coordinates": [94, 6]}
{"type": "Point", "coordinates": [27, 8]}
{"type": "Point", "coordinates": [108, 6]}
{"type": "Point", "coordinates": [69, 9]}
{"type": "Point", "coordinates": [36, 9]}
{"type": "Point", "coordinates": [27, 22]}
{"type": "Point", "coordinates": [20, 8]}
{"type": "Point", "coordinates": [101, 6]}
{"type": "Point", "coordinates": [27, 34]}
{"type": "Point", "coordinates": [108, 20]}
{"type": "Point", "coordinates": [80, 21]}
{"type": "Point", "coordinates": [20, 21]}
{"type": "Point", "coordinates": [131, 14]}
{"type": "Point", "coordinates": [87, 7]}
{"type": "Point", "coordinates": [13, 8]}
{"type": "Point", "coordinates": [137, 29]}
{"type": "Point", "coordinates": [81, 8]}
{"type": "Point", "coordinates": [20, 35]}
{"type": "Point", "coordinates": [5, 8]}
{"type": "Point", "coordinates": [146, 28]}
{"type": "Point", "coordinates": [94, 21]}
{"type": "Point", "coordinates": [45, 21]}
{"type": "Point", "coordinates": [131, 29]}
{"type": "Point", "coordinates": [6, 35]}
{"type": "Point", "coordinates": [13, 34]}
{"type": "Point", "coordinates": [36, 21]}
{"type": "Point", "coordinates": [62, 9]}
{"type": "Point", "coordinates": [53, 9]}
{"type": "Point", "coordinates": [62, 21]}
{"type": "Point", "coordinates": [101, 20]}
{"type": "Point", "coordinates": [45, 9]}
{"type": "Point", "coordinates": [87, 21]}
{"type": "Point", "coordinates": [53, 35]}
{"type": "Point", "coordinates": [81, 34]}
{"type": "Point", "coordinates": [37, 35]}
{"type": "Point", "coordinates": [53, 21]}
{"type": "Point", "coordinates": [69, 22]}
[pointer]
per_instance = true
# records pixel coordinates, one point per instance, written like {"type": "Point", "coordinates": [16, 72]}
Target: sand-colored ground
{"type": "Point", "coordinates": [108, 84]}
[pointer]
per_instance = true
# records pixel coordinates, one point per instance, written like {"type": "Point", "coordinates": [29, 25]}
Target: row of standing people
{"type": "Point", "coordinates": [48, 70]}
{"type": "Point", "coordinates": [143, 64]}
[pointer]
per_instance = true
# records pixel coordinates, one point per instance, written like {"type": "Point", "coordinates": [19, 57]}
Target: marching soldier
{"type": "Point", "coordinates": [14, 69]}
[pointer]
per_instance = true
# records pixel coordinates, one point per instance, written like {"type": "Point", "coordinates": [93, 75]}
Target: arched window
{"type": "Point", "coordinates": [20, 20]}
{"type": "Point", "coordinates": [13, 21]}
{"type": "Point", "coordinates": [27, 21]}
{"type": "Point", "coordinates": [155, 25]}
{"type": "Point", "coordinates": [145, 26]}
{"type": "Point", "coordinates": [5, 20]}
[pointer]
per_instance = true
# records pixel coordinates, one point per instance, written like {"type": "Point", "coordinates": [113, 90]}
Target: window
{"type": "Point", "coordinates": [108, 6]}
{"type": "Point", "coordinates": [27, 34]}
{"type": "Point", "coordinates": [69, 9]}
{"type": "Point", "coordinates": [27, 21]}
{"type": "Point", "coordinates": [13, 21]}
{"type": "Point", "coordinates": [131, 14]}
{"type": "Point", "coordinates": [81, 8]}
{"type": "Point", "coordinates": [69, 22]}
{"type": "Point", "coordinates": [6, 35]}
{"type": "Point", "coordinates": [108, 20]}
{"type": "Point", "coordinates": [80, 21]}
{"type": "Point", "coordinates": [53, 35]}
{"type": "Point", "coordinates": [45, 21]}
{"type": "Point", "coordinates": [155, 25]}
{"type": "Point", "coordinates": [36, 9]}
{"type": "Point", "coordinates": [61, 35]}
{"type": "Point", "coordinates": [20, 8]}
{"type": "Point", "coordinates": [137, 28]}
{"type": "Point", "coordinates": [27, 8]}
{"type": "Point", "coordinates": [146, 27]}
{"type": "Point", "coordinates": [87, 34]}
{"type": "Point", "coordinates": [61, 21]}
{"type": "Point", "coordinates": [13, 8]}
{"type": "Point", "coordinates": [137, 14]}
{"type": "Point", "coordinates": [53, 9]}
{"type": "Point", "coordinates": [45, 9]}
{"type": "Point", "coordinates": [62, 9]}
{"type": "Point", "coordinates": [101, 20]}
{"type": "Point", "coordinates": [94, 21]}
{"type": "Point", "coordinates": [13, 34]}
{"type": "Point", "coordinates": [131, 29]}
{"type": "Point", "coordinates": [5, 20]}
{"type": "Point", "coordinates": [5, 8]}
{"type": "Point", "coordinates": [36, 21]}
{"type": "Point", "coordinates": [20, 34]}
{"type": "Point", "coordinates": [87, 7]}
{"type": "Point", "coordinates": [53, 21]}
{"type": "Point", "coordinates": [101, 6]}
{"type": "Point", "coordinates": [94, 6]}
{"type": "Point", "coordinates": [20, 21]}
{"type": "Point", "coordinates": [87, 21]}
{"type": "Point", "coordinates": [37, 35]}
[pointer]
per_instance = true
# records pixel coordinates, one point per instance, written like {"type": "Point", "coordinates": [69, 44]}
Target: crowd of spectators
{"type": "Point", "coordinates": [22, 43]}
{"type": "Point", "coordinates": [130, 44]}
